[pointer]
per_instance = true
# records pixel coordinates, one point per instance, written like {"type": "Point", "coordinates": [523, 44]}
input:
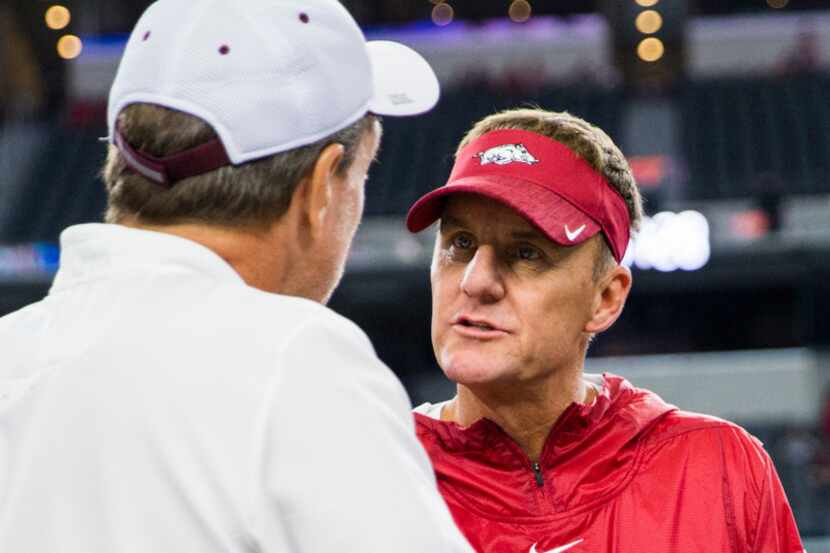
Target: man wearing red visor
{"type": "Point", "coordinates": [532, 455]}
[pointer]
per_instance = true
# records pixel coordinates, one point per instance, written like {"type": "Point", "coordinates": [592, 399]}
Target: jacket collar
{"type": "Point", "coordinates": [487, 442]}
{"type": "Point", "coordinates": [95, 251]}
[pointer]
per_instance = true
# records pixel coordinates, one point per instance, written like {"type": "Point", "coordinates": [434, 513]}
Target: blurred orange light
{"type": "Point", "coordinates": [647, 3]}
{"type": "Point", "coordinates": [649, 171]}
{"type": "Point", "coordinates": [520, 11]}
{"type": "Point", "coordinates": [777, 4]}
{"type": "Point", "coordinates": [442, 14]}
{"type": "Point", "coordinates": [650, 49]}
{"type": "Point", "coordinates": [649, 22]}
{"type": "Point", "coordinates": [750, 224]}
{"type": "Point", "coordinates": [70, 47]}
{"type": "Point", "coordinates": [57, 17]}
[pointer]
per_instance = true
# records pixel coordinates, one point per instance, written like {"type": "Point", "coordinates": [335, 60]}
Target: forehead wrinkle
{"type": "Point", "coordinates": [518, 228]}
{"type": "Point", "coordinates": [530, 234]}
{"type": "Point", "coordinates": [469, 212]}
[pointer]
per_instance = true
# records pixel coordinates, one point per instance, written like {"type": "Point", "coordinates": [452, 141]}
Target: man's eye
{"type": "Point", "coordinates": [527, 253]}
{"type": "Point", "coordinates": [462, 242]}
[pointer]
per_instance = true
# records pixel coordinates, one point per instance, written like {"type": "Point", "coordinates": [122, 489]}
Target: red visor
{"type": "Point", "coordinates": [541, 179]}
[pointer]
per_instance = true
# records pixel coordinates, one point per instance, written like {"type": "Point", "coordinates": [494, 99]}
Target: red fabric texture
{"type": "Point", "coordinates": [628, 473]}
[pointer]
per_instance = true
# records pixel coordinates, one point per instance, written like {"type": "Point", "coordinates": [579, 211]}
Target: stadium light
{"type": "Point", "coordinates": [70, 47]}
{"type": "Point", "coordinates": [650, 49]}
{"type": "Point", "coordinates": [58, 17]}
{"type": "Point", "coordinates": [671, 242]}
{"type": "Point", "coordinates": [520, 11]}
{"type": "Point", "coordinates": [647, 3]}
{"type": "Point", "coordinates": [649, 22]}
{"type": "Point", "coordinates": [777, 4]}
{"type": "Point", "coordinates": [442, 14]}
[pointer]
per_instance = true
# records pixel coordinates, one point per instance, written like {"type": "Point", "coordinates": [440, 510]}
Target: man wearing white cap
{"type": "Point", "coordinates": [182, 388]}
{"type": "Point", "coordinates": [533, 455]}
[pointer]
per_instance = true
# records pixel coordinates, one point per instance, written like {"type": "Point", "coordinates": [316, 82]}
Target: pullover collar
{"type": "Point", "coordinates": [96, 251]}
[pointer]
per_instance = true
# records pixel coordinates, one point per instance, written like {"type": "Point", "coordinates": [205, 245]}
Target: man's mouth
{"type": "Point", "coordinates": [474, 325]}
{"type": "Point", "coordinates": [482, 326]}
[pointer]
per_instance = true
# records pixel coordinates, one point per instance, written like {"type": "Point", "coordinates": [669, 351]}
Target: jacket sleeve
{"type": "Point", "coordinates": [775, 529]}
{"type": "Point", "coordinates": [340, 466]}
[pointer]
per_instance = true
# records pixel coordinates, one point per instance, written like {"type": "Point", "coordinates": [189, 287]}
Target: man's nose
{"type": "Point", "coordinates": [482, 279]}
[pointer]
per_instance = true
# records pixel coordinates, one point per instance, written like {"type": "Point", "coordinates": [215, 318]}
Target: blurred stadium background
{"type": "Point", "coordinates": [723, 107]}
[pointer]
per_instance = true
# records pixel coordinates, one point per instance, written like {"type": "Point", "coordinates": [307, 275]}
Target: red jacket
{"type": "Point", "coordinates": [626, 474]}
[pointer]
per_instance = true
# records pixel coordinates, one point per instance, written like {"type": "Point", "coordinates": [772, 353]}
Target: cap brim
{"type": "Point", "coordinates": [557, 218]}
{"type": "Point", "coordinates": [404, 83]}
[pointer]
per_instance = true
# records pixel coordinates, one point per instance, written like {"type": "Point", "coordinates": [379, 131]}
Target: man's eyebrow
{"type": "Point", "coordinates": [529, 234]}
{"type": "Point", "coordinates": [450, 221]}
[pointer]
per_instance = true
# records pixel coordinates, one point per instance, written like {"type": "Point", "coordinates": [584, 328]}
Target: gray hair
{"type": "Point", "coordinates": [254, 194]}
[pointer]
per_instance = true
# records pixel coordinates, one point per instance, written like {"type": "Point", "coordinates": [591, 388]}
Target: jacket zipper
{"type": "Point", "coordinates": [537, 472]}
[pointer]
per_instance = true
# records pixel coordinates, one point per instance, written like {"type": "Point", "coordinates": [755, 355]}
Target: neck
{"type": "Point", "coordinates": [255, 254]}
{"type": "Point", "coordinates": [526, 411]}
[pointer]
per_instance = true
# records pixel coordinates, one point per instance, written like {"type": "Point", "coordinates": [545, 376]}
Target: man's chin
{"type": "Point", "coordinates": [471, 370]}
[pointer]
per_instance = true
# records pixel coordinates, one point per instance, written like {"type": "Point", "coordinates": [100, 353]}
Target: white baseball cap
{"type": "Point", "coordinates": [267, 75]}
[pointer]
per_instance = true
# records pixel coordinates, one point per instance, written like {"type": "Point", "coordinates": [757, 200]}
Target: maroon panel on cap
{"type": "Point", "coordinates": [542, 180]}
{"type": "Point", "coordinates": [169, 170]}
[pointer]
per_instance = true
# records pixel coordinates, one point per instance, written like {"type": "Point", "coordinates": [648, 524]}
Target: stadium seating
{"type": "Point", "coordinates": [740, 135]}
{"type": "Point", "coordinates": [741, 138]}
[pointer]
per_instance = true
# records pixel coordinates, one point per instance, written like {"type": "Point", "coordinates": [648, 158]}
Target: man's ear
{"type": "Point", "coordinates": [317, 188]}
{"type": "Point", "coordinates": [612, 291]}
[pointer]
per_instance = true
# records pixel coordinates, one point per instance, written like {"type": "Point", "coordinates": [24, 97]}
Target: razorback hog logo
{"type": "Point", "coordinates": [507, 153]}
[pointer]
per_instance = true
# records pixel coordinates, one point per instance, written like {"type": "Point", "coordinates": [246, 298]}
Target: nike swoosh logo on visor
{"type": "Point", "coordinates": [575, 234]}
{"type": "Point", "coordinates": [558, 549]}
